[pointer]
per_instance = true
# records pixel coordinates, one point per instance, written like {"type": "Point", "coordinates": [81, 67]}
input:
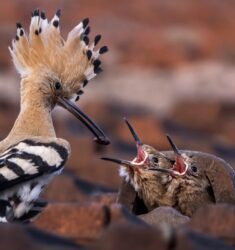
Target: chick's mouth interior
{"type": "Point", "coordinates": [179, 166]}
{"type": "Point", "coordinates": [141, 156]}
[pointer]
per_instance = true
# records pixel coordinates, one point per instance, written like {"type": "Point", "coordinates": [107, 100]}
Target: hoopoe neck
{"type": "Point", "coordinates": [34, 119]}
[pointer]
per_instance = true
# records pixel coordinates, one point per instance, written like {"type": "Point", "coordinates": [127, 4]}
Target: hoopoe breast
{"type": "Point", "coordinates": [25, 169]}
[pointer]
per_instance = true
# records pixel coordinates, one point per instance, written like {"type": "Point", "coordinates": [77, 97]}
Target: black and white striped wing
{"type": "Point", "coordinates": [30, 159]}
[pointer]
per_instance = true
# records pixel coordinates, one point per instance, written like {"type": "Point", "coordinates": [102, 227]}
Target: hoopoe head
{"type": "Point", "coordinates": [53, 68]}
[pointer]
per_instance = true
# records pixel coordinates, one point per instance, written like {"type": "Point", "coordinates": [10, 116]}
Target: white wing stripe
{"type": "Point", "coordinates": [27, 167]}
{"type": "Point", "coordinates": [8, 174]}
{"type": "Point", "coordinates": [48, 154]}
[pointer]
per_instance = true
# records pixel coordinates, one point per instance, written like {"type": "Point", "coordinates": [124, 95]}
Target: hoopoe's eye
{"type": "Point", "coordinates": [57, 85]}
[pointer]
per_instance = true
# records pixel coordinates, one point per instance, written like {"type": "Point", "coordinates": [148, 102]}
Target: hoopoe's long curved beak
{"type": "Point", "coordinates": [100, 137]}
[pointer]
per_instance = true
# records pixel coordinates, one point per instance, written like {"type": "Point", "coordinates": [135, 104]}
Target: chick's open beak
{"type": "Point", "coordinates": [180, 167]}
{"type": "Point", "coordinates": [118, 161]}
{"type": "Point", "coordinates": [141, 157]}
{"type": "Point", "coordinates": [133, 132]}
{"type": "Point", "coordinates": [72, 108]}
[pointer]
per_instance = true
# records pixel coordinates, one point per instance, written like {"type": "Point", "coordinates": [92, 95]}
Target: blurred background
{"type": "Point", "coordinates": [170, 69]}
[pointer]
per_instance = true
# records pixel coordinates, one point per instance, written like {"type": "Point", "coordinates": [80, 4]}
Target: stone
{"type": "Point", "coordinates": [83, 222]}
{"type": "Point", "coordinates": [105, 199]}
{"type": "Point", "coordinates": [164, 216]}
{"type": "Point", "coordinates": [216, 220]}
{"type": "Point", "coordinates": [185, 239]}
{"type": "Point", "coordinates": [126, 237]}
{"type": "Point", "coordinates": [120, 215]}
{"type": "Point", "coordinates": [21, 237]}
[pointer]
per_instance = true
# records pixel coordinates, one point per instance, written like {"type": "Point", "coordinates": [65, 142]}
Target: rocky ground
{"type": "Point", "coordinates": [173, 73]}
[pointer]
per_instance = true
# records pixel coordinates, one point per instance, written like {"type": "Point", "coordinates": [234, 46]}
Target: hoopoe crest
{"type": "Point", "coordinates": [45, 57]}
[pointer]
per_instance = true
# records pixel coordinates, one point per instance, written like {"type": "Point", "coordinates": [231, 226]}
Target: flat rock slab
{"type": "Point", "coordinates": [127, 237]}
{"type": "Point", "coordinates": [21, 237]}
{"type": "Point", "coordinates": [216, 220]}
{"type": "Point", "coordinates": [83, 222]}
{"type": "Point", "coordinates": [186, 239]}
{"type": "Point", "coordinates": [164, 216]}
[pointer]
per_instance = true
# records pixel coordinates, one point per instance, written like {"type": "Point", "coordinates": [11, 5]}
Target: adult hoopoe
{"type": "Point", "coordinates": [53, 71]}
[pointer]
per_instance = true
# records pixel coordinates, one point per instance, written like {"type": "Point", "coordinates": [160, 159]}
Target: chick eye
{"type": "Point", "coordinates": [194, 168]}
{"type": "Point", "coordinates": [57, 85]}
{"type": "Point", "coordinates": [155, 160]}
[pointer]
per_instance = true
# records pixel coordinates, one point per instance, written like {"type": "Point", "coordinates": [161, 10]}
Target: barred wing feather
{"type": "Point", "coordinates": [30, 159]}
